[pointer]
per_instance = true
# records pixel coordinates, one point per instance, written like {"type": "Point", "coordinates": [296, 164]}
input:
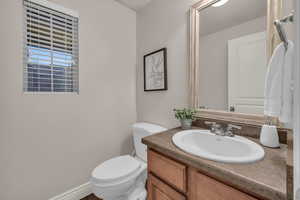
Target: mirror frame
{"type": "Point", "coordinates": [273, 12]}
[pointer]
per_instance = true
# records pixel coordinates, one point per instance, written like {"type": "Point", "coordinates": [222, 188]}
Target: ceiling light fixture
{"type": "Point", "coordinates": [220, 3]}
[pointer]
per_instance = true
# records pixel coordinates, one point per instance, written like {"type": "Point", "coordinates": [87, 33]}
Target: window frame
{"type": "Point", "coordinates": [75, 53]}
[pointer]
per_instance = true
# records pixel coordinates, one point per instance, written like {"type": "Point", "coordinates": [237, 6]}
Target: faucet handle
{"type": "Point", "coordinates": [210, 123]}
{"type": "Point", "coordinates": [229, 130]}
{"type": "Point", "coordinates": [213, 126]}
{"type": "Point", "coordinates": [231, 127]}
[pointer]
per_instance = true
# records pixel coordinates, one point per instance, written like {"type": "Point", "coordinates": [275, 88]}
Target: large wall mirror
{"type": "Point", "coordinates": [231, 42]}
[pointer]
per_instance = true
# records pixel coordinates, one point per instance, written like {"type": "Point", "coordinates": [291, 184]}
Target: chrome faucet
{"type": "Point", "coordinates": [222, 130]}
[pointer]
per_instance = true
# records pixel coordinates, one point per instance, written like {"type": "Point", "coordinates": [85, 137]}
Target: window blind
{"type": "Point", "coordinates": [51, 50]}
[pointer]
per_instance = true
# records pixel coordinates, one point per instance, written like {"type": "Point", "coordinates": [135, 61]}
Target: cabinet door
{"type": "Point", "coordinates": [202, 187]}
{"type": "Point", "coordinates": [167, 170]}
{"type": "Point", "coordinates": [158, 190]}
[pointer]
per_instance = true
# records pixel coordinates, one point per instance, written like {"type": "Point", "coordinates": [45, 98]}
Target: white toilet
{"type": "Point", "coordinates": [124, 177]}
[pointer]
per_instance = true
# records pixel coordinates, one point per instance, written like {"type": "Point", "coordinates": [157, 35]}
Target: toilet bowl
{"type": "Point", "coordinates": [124, 177]}
{"type": "Point", "coordinates": [117, 178]}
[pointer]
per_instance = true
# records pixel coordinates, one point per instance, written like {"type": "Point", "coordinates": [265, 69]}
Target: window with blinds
{"type": "Point", "coordinates": [51, 49]}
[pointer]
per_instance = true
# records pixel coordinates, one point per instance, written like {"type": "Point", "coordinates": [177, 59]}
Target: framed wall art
{"type": "Point", "coordinates": [155, 71]}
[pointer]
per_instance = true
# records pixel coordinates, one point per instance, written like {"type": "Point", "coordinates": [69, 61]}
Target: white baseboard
{"type": "Point", "coordinates": [75, 193]}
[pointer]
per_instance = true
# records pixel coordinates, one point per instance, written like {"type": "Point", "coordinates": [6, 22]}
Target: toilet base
{"type": "Point", "coordinates": [139, 193]}
{"type": "Point", "coordinates": [133, 190]}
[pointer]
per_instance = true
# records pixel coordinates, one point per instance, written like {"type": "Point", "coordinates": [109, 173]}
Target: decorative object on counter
{"type": "Point", "coordinates": [155, 71]}
{"type": "Point", "coordinates": [269, 136]}
{"type": "Point", "coordinates": [186, 117]}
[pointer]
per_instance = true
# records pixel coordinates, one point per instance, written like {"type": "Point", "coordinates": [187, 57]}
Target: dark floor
{"type": "Point", "coordinates": [91, 197]}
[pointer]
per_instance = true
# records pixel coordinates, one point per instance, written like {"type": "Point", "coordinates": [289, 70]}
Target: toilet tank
{"type": "Point", "coordinates": [141, 130]}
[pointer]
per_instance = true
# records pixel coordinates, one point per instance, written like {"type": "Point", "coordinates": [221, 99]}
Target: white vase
{"type": "Point", "coordinates": [269, 136]}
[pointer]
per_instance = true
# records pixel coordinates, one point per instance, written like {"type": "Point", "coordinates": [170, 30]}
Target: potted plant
{"type": "Point", "coordinates": [186, 117]}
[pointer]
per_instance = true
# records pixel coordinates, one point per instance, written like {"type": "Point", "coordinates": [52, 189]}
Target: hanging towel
{"type": "Point", "coordinates": [287, 85]}
{"type": "Point", "coordinates": [273, 83]}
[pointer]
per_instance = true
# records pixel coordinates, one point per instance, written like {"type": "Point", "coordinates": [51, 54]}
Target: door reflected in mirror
{"type": "Point", "coordinates": [233, 56]}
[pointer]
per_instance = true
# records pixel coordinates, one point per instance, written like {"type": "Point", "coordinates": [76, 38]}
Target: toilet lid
{"type": "Point", "coordinates": [115, 169]}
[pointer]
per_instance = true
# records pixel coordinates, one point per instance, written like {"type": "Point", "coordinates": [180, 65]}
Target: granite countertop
{"type": "Point", "coordinates": [265, 179]}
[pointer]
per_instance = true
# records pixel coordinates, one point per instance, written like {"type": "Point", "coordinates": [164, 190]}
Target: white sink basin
{"type": "Point", "coordinates": [207, 145]}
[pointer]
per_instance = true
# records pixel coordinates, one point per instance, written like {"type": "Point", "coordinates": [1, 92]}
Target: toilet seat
{"type": "Point", "coordinates": [116, 171]}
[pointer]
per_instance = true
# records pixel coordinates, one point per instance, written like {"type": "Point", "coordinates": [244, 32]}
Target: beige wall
{"type": "Point", "coordinates": [50, 143]}
{"type": "Point", "coordinates": [213, 62]}
{"type": "Point", "coordinates": [163, 24]}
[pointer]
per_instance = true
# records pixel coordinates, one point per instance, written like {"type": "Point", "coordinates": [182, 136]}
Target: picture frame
{"type": "Point", "coordinates": [155, 71]}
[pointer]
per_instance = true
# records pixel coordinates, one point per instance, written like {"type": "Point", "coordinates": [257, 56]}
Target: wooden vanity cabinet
{"type": "Point", "coordinates": [171, 180]}
{"type": "Point", "coordinates": [158, 190]}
